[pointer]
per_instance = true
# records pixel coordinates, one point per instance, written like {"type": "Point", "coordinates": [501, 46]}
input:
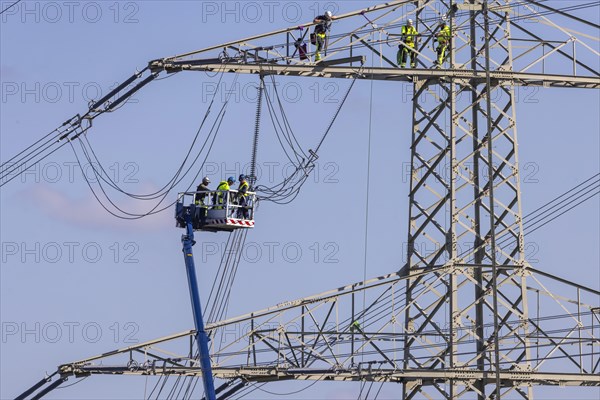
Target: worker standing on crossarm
{"type": "Point", "coordinates": [323, 26]}
{"type": "Point", "coordinates": [406, 49]}
{"type": "Point", "coordinates": [443, 39]}
{"type": "Point", "coordinates": [242, 197]}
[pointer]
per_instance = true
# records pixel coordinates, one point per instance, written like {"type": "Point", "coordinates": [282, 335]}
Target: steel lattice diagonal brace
{"type": "Point", "coordinates": [46, 385]}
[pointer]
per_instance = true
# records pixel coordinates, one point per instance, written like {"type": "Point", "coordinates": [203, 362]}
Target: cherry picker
{"type": "Point", "coordinates": [217, 211]}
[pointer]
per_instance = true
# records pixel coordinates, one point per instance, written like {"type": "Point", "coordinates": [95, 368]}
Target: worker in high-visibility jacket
{"type": "Point", "coordinates": [200, 201]}
{"type": "Point", "coordinates": [443, 38]}
{"type": "Point", "coordinates": [406, 49]}
{"type": "Point", "coordinates": [242, 197]}
{"type": "Point", "coordinates": [222, 195]}
{"type": "Point", "coordinates": [323, 26]}
{"type": "Point", "coordinates": [200, 196]}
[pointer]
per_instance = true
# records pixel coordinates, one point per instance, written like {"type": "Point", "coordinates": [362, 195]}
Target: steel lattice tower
{"type": "Point", "coordinates": [454, 321]}
{"type": "Point", "coordinates": [464, 193]}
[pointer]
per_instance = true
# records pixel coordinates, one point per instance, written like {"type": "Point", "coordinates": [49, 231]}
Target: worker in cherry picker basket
{"type": "Point", "coordinates": [199, 197]}
{"type": "Point", "coordinates": [242, 197]}
{"type": "Point", "coordinates": [222, 196]}
{"type": "Point", "coordinates": [200, 201]}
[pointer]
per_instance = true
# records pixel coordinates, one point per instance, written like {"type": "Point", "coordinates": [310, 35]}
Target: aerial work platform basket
{"type": "Point", "coordinates": [216, 210]}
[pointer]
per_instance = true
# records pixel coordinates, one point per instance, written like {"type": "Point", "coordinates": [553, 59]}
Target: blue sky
{"type": "Point", "coordinates": [76, 281]}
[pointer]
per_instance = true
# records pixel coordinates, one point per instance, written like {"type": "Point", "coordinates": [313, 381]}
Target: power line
{"type": "Point", "coordinates": [563, 13]}
{"type": "Point", "coordinates": [561, 196]}
{"type": "Point", "coordinates": [209, 141]}
{"type": "Point", "coordinates": [564, 212]}
{"type": "Point", "coordinates": [287, 190]}
{"type": "Point", "coordinates": [176, 179]}
{"type": "Point", "coordinates": [549, 210]}
{"type": "Point", "coordinates": [31, 156]}
{"type": "Point", "coordinates": [10, 6]}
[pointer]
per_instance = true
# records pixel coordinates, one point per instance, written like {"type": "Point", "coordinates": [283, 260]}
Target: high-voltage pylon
{"type": "Point", "coordinates": [456, 321]}
{"type": "Point", "coordinates": [465, 193]}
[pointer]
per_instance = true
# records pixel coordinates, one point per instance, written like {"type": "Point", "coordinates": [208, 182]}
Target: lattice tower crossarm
{"type": "Point", "coordinates": [314, 338]}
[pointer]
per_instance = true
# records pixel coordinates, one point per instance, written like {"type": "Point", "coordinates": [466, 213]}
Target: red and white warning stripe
{"type": "Point", "coordinates": [231, 221]}
{"type": "Point", "coordinates": [242, 222]}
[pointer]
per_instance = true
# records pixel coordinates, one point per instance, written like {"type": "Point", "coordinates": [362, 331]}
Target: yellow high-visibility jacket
{"type": "Point", "coordinates": [243, 189]}
{"type": "Point", "coordinates": [223, 185]}
{"type": "Point", "coordinates": [444, 36]}
{"type": "Point", "coordinates": [409, 35]}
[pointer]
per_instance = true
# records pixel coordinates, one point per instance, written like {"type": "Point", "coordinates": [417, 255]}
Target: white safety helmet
{"type": "Point", "coordinates": [410, 22]}
{"type": "Point", "coordinates": [205, 180]}
{"type": "Point", "coordinates": [328, 14]}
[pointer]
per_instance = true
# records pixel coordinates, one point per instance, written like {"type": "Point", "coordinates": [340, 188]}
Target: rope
{"type": "Point", "coordinates": [368, 191]}
{"type": "Point", "coordinates": [337, 112]}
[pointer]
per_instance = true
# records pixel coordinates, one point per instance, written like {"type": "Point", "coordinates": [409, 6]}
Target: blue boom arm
{"type": "Point", "coordinates": [188, 241]}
